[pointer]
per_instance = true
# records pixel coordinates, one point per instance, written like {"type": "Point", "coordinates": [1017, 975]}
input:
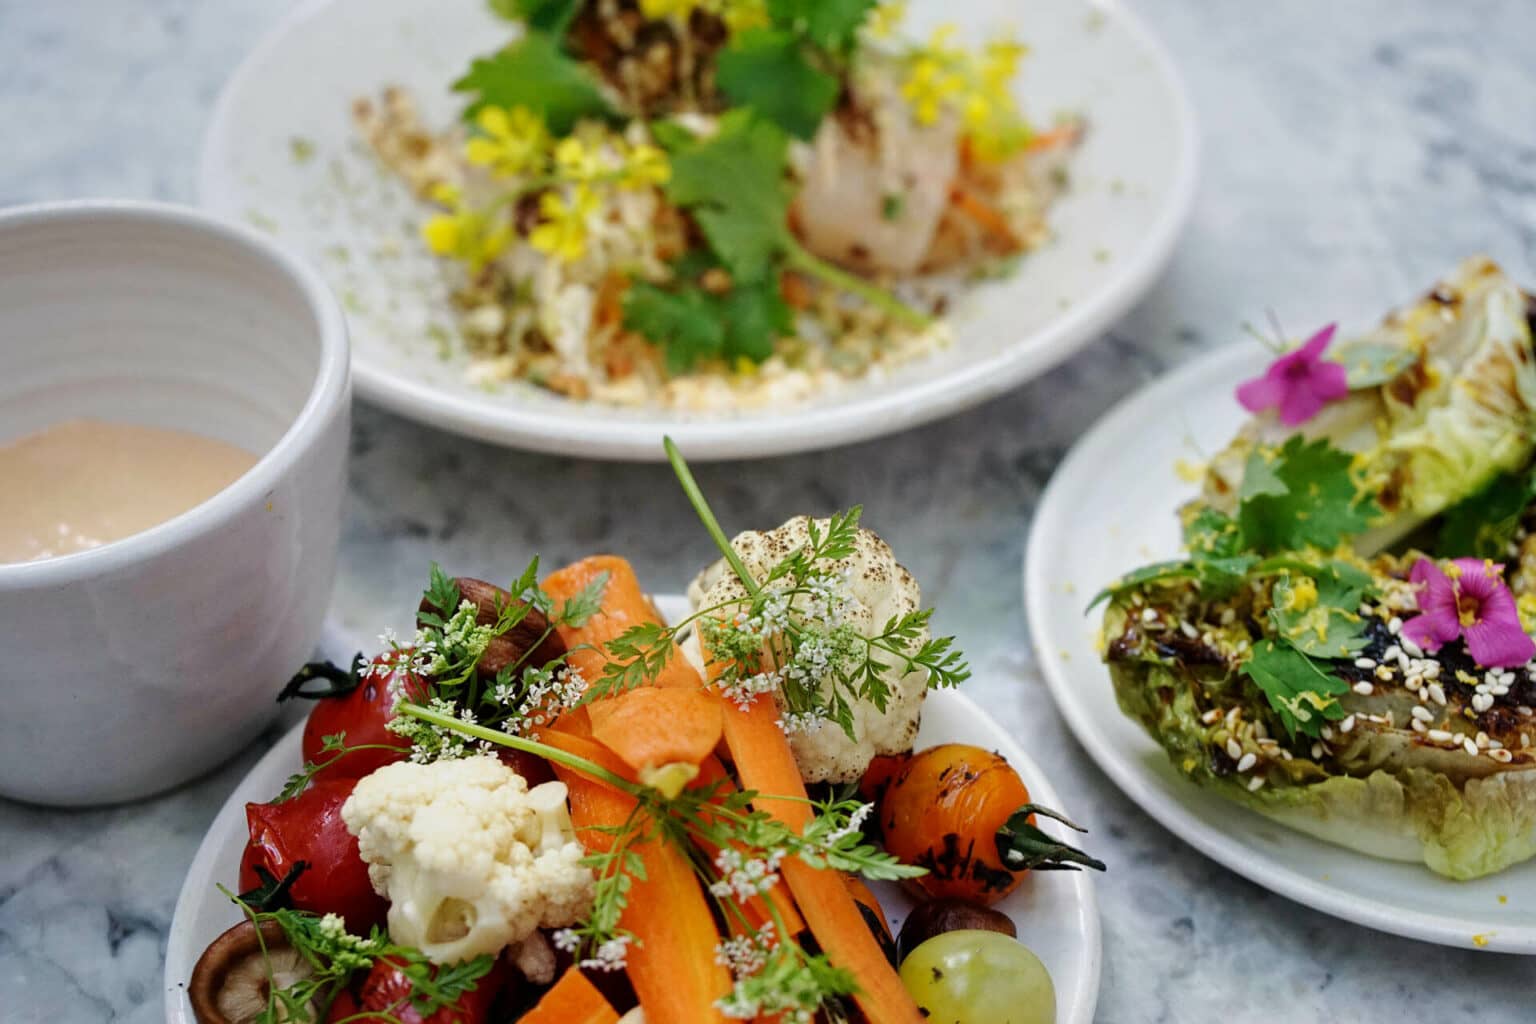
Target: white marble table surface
{"type": "Point", "coordinates": [1352, 151]}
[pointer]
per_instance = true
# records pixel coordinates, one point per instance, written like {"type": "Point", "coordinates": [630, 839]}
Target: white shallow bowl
{"type": "Point", "coordinates": [1111, 508]}
{"type": "Point", "coordinates": [1055, 911]}
{"type": "Point", "coordinates": [1133, 181]}
{"type": "Point", "coordinates": [134, 666]}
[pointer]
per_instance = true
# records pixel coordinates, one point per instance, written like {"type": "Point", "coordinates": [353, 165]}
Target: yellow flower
{"type": "Point", "coordinates": [657, 9]}
{"type": "Point", "coordinates": [513, 142]}
{"type": "Point", "coordinates": [887, 19]}
{"type": "Point", "coordinates": [563, 234]}
{"type": "Point", "coordinates": [928, 87]}
{"type": "Point", "coordinates": [578, 161]}
{"type": "Point", "coordinates": [740, 15]}
{"type": "Point", "coordinates": [645, 165]}
{"type": "Point", "coordinates": [464, 233]}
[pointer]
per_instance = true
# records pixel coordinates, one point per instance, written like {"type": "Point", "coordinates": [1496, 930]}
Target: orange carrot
{"type": "Point", "coordinates": [713, 774]}
{"type": "Point", "coordinates": [672, 960]}
{"type": "Point", "coordinates": [1065, 135]}
{"type": "Point", "coordinates": [573, 1000]}
{"type": "Point", "coordinates": [766, 764]}
{"type": "Point", "coordinates": [989, 217]}
{"type": "Point", "coordinates": [650, 727]}
{"type": "Point", "coordinates": [584, 746]}
{"type": "Point", "coordinates": [624, 605]}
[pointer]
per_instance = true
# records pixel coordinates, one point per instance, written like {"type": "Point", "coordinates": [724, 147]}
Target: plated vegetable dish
{"type": "Point", "coordinates": [1346, 644]}
{"type": "Point", "coordinates": [721, 204]}
{"type": "Point", "coordinates": [551, 806]}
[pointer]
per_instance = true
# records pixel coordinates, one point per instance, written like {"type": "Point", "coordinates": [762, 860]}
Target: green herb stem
{"type": "Point", "coordinates": [800, 258]}
{"type": "Point", "coordinates": [707, 516]}
{"type": "Point", "coordinates": [527, 746]}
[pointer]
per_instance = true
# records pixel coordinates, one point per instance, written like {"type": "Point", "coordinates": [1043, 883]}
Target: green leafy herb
{"type": "Point", "coordinates": [336, 744]}
{"type": "Point", "coordinates": [691, 324]}
{"type": "Point", "coordinates": [1301, 691]}
{"type": "Point", "coordinates": [1317, 612]}
{"type": "Point", "coordinates": [892, 205]}
{"type": "Point", "coordinates": [832, 25]}
{"type": "Point", "coordinates": [770, 71]}
{"type": "Point", "coordinates": [1301, 495]}
{"type": "Point", "coordinates": [334, 956]}
{"type": "Point", "coordinates": [1484, 525]}
{"type": "Point", "coordinates": [534, 73]}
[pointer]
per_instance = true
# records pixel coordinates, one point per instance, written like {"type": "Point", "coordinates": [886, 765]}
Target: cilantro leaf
{"type": "Point", "coordinates": [1301, 495]}
{"type": "Point", "coordinates": [552, 16]}
{"type": "Point", "coordinates": [756, 316]}
{"type": "Point", "coordinates": [770, 71]}
{"type": "Point", "coordinates": [1302, 693]}
{"type": "Point", "coordinates": [534, 73]}
{"type": "Point", "coordinates": [683, 323]}
{"type": "Point", "coordinates": [1316, 613]}
{"type": "Point", "coordinates": [1484, 525]}
{"type": "Point", "coordinates": [832, 25]}
{"type": "Point", "coordinates": [733, 184]}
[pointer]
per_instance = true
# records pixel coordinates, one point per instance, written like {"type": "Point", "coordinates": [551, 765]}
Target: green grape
{"type": "Point", "coordinates": [979, 977]}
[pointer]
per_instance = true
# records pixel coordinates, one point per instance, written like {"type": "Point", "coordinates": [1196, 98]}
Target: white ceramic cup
{"type": "Point", "coordinates": [132, 667]}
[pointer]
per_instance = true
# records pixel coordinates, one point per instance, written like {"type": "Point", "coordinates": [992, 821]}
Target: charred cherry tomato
{"type": "Point", "coordinates": [362, 714]}
{"type": "Point", "coordinates": [309, 828]}
{"type": "Point", "coordinates": [957, 810]}
{"type": "Point", "coordinates": [388, 990]}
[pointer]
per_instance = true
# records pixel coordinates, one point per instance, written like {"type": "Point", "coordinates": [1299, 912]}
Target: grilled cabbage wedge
{"type": "Point", "coordinates": [1457, 791]}
{"type": "Point", "coordinates": [1275, 672]}
{"type": "Point", "coordinates": [1442, 400]}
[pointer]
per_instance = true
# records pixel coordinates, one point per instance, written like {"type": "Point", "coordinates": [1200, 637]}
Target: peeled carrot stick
{"type": "Point", "coordinates": [589, 748]}
{"type": "Point", "coordinates": [650, 727]}
{"type": "Point", "coordinates": [624, 605]}
{"type": "Point", "coordinates": [573, 1000]}
{"type": "Point", "coordinates": [672, 960]}
{"type": "Point", "coordinates": [713, 774]}
{"type": "Point", "coordinates": [766, 764]}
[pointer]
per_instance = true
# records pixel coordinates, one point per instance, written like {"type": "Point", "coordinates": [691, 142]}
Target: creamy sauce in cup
{"type": "Point", "coordinates": [85, 483]}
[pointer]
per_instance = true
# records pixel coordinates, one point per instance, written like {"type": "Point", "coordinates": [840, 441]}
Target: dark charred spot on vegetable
{"type": "Point", "coordinates": [1530, 320]}
{"type": "Point", "coordinates": [949, 862]}
{"type": "Point", "coordinates": [320, 680]}
{"type": "Point", "coordinates": [875, 922]}
{"type": "Point", "coordinates": [1444, 295]}
{"type": "Point", "coordinates": [1187, 650]}
{"type": "Point", "coordinates": [1408, 385]}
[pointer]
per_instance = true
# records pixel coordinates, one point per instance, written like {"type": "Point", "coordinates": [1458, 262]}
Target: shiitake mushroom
{"type": "Point", "coordinates": [936, 917]}
{"type": "Point", "coordinates": [234, 977]}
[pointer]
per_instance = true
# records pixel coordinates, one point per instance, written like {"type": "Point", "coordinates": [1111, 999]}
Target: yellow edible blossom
{"type": "Point", "coordinates": [657, 9]}
{"type": "Point", "coordinates": [887, 18]}
{"type": "Point", "coordinates": [513, 143]}
{"type": "Point", "coordinates": [737, 14]}
{"type": "Point", "coordinates": [578, 161]}
{"type": "Point", "coordinates": [943, 76]}
{"type": "Point", "coordinates": [645, 165]}
{"type": "Point", "coordinates": [563, 233]}
{"type": "Point", "coordinates": [464, 233]}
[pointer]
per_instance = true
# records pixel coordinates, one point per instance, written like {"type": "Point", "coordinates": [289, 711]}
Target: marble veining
{"type": "Point", "coordinates": [1351, 152]}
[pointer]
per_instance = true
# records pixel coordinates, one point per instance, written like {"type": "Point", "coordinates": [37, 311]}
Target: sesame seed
{"type": "Point", "coordinates": [1482, 702]}
{"type": "Point", "coordinates": [1394, 625]}
{"type": "Point", "coordinates": [1348, 724]}
{"type": "Point", "coordinates": [1392, 653]}
{"type": "Point", "coordinates": [1248, 761]}
{"type": "Point", "coordinates": [1327, 732]}
{"type": "Point", "coordinates": [1211, 716]}
{"type": "Point", "coordinates": [1234, 749]}
{"type": "Point", "coordinates": [1439, 736]}
{"type": "Point", "coordinates": [1469, 746]}
{"type": "Point", "coordinates": [1384, 674]}
{"type": "Point", "coordinates": [1189, 631]}
{"type": "Point", "coordinates": [1317, 751]}
{"type": "Point", "coordinates": [1364, 663]}
{"type": "Point", "coordinates": [1412, 648]}
{"type": "Point", "coordinates": [1501, 756]}
{"type": "Point", "coordinates": [1149, 616]}
{"type": "Point", "coordinates": [1432, 669]}
{"type": "Point", "coordinates": [1364, 689]}
{"type": "Point", "coordinates": [1422, 713]}
{"type": "Point", "coordinates": [1525, 739]}
{"type": "Point", "coordinates": [1256, 783]}
{"type": "Point", "coordinates": [1418, 726]}
{"type": "Point", "coordinates": [1437, 693]}
{"type": "Point", "coordinates": [1482, 738]}
{"type": "Point", "coordinates": [1228, 617]}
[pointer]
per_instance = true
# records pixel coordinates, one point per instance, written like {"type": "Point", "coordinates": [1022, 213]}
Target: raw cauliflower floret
{"type": "Point", "coordinates": [880, 589]}
{"type": "Point", "coordinates": [470, 859]}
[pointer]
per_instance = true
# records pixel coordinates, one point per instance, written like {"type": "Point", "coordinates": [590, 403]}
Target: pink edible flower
{"type": "Point", "coordinates": [1471, 602]}
{"type": "Point", "coordinates": [1299, 383]}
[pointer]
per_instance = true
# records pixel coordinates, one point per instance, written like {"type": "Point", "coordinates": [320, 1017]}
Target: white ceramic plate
{"type": "Point", "coordinates": [1110, 508]}
{"type": "Point", "coordinates": [1055, 911]}
{"type": "Point", "coordinates": [1133, 183]}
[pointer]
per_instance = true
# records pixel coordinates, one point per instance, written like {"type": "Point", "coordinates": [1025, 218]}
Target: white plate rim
{"type": "Point", "coordinates": [807, 428]}
{"type": "Point", "coordinates": [1229, 362]}
{"type": "Point", "coordinates": [1074, 1007]}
